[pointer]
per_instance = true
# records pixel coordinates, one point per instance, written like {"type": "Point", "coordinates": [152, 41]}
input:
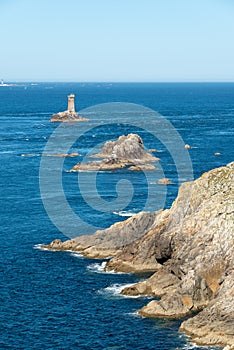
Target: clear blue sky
{"type": "Point", "coordinates": [117, 40]}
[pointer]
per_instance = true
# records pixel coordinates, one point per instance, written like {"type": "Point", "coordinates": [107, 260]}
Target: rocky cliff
{"type": "Point", "coordinates": [190, 248]}
{"type": "Point", "coordinates": [108, 242]}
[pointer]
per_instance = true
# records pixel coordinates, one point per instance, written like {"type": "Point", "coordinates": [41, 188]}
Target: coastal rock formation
{"type": "Point", "coordinates": [110, 241]}
{"type": "Point", "coordinates": [194, 246]}
{"type": "Point", "coordinates": [126, 151]}
{"type": "Point", "coordinates": [190, 248]}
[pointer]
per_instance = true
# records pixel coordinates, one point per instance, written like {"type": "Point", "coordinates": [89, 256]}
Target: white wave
{"type": "Point", "coordinates": [39, 247]}
{"type": "Point", "coordinates": [30, 155]}
{"type": "Point", "coordinates": [115, 289]}
{"type": "Point", "coordinates": [192, 346]}
{"type": "Point", "coordinates": [77, 255]}
{"type": "Point", "coordinates": [97, 267]}
{"type": "Point", "coordinates": [7, 152]}
{"type": "Point", "coordinates": [100, 268]}
{"type": "Point", "coordinates": [124, 213]}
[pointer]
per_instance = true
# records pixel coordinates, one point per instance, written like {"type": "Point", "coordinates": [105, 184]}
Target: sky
{"type": "Point", "coordinates": [117, 40]}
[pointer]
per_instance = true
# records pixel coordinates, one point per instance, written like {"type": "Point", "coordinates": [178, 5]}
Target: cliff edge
{"type": "Point", "coordinates": [190, 248]}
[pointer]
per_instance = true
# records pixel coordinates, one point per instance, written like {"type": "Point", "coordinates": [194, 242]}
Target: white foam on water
{"type": "Point", "coordinates": [97, 267]}
{"type": "Point", "coordinates": [77, 255]}
{"type": "Point", "coordinates": [30, 155]}
{"type": "Point", "coordinates": [191, 346]}
{"type": "Point", "coordinates": [40, 247]}
{"type": "Point", "coordinates": [124, 213]}
{"type": "Point", "coordinates": [7, 152]}
{"type": "Point", "coordinates": [100, 268]}
{"type": "Point", "coordinates": [115, 289]}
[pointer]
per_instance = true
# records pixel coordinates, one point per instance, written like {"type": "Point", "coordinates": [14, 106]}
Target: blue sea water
{"type": "Point", "coordinates": [57, 300]}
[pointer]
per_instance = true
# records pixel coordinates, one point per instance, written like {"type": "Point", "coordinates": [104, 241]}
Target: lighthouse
{"type": "Point", "coordinates": [71, 103]}
{"type": "Point", "coordinates": [70, 115]}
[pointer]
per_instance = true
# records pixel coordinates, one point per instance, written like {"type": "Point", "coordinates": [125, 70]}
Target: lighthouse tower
{"type": "Point", "coordinates": [71, 103]}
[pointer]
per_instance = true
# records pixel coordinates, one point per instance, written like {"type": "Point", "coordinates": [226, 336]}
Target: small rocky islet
{"type": "Point", "coordinates": [125, 152]}
{"type": "Point", "coordinates": [189, 249]}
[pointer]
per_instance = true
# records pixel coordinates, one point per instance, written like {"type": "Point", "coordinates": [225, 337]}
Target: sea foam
{"type": "Point", "coordinates": [100, 268]}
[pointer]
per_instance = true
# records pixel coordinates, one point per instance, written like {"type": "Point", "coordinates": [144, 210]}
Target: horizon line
{"type": "Point", "coordinates": [115, 82]}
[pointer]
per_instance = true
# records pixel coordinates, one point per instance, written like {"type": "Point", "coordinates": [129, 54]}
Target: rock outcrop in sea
{"type": "Point", "coordinates": [70, 115]}
{"type": "Point", "coordinates": [126, 151]}
{"type": "Point", "coordinates": [190, 250]}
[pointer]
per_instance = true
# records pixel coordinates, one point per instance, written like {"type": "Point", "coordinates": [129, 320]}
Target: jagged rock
{"type": "Point", "coordinates": [157, 285]}
{"type": "Point", "coordinates": [130, 147]}
{"type": "Point", "coordinates": [145, 254]}
{"type": "Point", "coordinates": [126, 151]}
{"type": "Point", "coordinates": [215, 324]}
{"type": "Point", "coordinates": [110, 241]}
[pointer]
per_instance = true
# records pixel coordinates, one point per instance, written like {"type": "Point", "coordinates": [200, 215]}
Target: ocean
{"type": "Point", "coordinates": [60, 300]}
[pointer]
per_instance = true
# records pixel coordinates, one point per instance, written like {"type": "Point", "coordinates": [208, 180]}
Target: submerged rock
{"type": "Point", "coordinates": [127, 151]}
{"type": "Point", "coordinates": [164, 181]}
